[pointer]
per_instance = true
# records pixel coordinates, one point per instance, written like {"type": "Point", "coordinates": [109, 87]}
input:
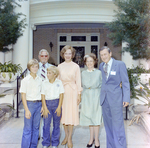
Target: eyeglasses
{"type": "Point", "coordinates": [44, 56]}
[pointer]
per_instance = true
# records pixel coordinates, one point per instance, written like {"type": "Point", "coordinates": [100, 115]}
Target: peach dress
{"type": "Point", "coordinates": [71, 79]}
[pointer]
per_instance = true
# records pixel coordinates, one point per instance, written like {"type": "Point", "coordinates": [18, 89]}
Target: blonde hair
{"type": "Point", "coordinates": [54, 70]}
{"type": "Point", "coordinates": [65, 48]}
{"type": "Point", "coordinates": [32, 62]}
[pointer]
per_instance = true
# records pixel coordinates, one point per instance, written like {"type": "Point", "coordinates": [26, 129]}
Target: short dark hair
{"type": "Point", "coordinates": [93, 56]}
{"type": "Point", "coordinates": [105, 47]}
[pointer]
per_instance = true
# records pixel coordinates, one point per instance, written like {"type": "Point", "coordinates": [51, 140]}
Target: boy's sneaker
{"type": "Point", "coordinates": [54, 147]}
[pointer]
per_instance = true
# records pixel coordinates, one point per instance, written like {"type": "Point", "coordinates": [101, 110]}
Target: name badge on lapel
{"type": "Point", "coordinates": [113, 73]}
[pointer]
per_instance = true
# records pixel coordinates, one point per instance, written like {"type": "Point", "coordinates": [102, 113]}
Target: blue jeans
{"type": "Point", "coordinates": [51, 106]}
{"type": "Point", "coordinates": [31, 126]}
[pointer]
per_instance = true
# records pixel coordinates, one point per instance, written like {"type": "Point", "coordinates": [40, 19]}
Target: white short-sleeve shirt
{"type": "Point", "coordinates": [31, 87]}
{"type": "Point", "coordinates": [52, 90]}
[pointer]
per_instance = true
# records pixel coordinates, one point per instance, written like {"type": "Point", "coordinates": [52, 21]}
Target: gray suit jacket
{"type": "Point", "coordinates": [111, 86]}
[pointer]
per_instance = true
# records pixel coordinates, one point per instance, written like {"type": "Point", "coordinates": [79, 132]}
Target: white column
{"type": "Point", "coordinates": [31, 29]}
{"type": "Point", "coordinates": [8, 56]}
{"type": "Point", "coordinates": [2, 57]}
{"type": "Point", "coordinates": [127, 58]}
{"type": "Point", "coordinates": [21, 48]}
{"type": "Point", "coordinates": [145, 63]}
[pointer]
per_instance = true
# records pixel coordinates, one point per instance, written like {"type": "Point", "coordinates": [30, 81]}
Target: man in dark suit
{"type": "Point", "coordinates": [113, 98]}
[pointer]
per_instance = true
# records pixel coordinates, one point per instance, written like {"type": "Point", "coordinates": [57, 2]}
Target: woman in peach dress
{"type": "Point", "coordinates": [71, 79]}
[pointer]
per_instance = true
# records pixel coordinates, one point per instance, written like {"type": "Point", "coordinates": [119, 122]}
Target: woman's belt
{"type": "Point", "coordinates": [71, 84]}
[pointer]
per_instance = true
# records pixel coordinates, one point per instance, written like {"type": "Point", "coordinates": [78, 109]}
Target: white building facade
{"type": "Point", "coordinates": [53, 13]}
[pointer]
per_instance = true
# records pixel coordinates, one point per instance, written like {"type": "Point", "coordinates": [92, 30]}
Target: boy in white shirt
{"type": "Point", "coordinates": [52, 98]}
{"type": "Point", "coordinates": [31, 98]}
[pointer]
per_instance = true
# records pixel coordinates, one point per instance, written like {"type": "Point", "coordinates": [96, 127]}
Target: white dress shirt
{"type": "Point", "coordinates": [52, 90]}
{"type": "Point", "coordinates": [109, 66]}
{"type": "Point", "coordinates": [31, 87]}
{"type": "Point", "coordinates": [40, 69]}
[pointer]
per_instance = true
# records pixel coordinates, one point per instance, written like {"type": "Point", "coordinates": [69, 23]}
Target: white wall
{"type": "Point", "coordinates": [69, 11]}
{"type": "Point", "coordinates": [130, 63]}
{"type": "Point", "coordinates": [127, 58]}
{"type": "Point", "coordinates": [2, 57]}
{"type": "Point", "coordinates": [21, 48]}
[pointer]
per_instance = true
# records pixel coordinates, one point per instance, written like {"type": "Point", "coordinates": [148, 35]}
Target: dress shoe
{"type": "Point", "coordinates": [90, 145]}
{"type": "Point", "coordinates": [64, 142]}
{"type": "Point", "coordinates": [97, 146]}
{"type": "Point", "coordinates": [70, 145]}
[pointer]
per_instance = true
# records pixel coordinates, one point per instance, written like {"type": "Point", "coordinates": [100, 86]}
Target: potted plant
{"type": "Point", "coordinates": [8, 71]}
{"type": "Point", "coordinates": [136, 74]}
{"type": "Point", "coordinates": [143, 95]}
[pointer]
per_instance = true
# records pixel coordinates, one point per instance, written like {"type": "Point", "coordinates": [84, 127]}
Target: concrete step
{"type": "Point", "coordinates": [145, 121]}
{"type": "Point", "coordinates": [2, 115]}
{"type": "Point", "coordinates": [6, 111]}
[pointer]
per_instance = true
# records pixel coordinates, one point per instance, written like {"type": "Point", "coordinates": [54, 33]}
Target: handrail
{"type": "Point", "coordinates": [18, 103]}
{"type": "Point", "coordinates": [126, 118]}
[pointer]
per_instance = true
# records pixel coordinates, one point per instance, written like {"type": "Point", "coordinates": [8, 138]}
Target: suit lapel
{"type": "Point", "coordinates": [103, 71]}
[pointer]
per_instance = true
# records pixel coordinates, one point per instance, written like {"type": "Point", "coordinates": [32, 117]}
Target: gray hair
{"type": "Point", "coordinates": [42, 51]}
{"type": "Point", "coordinates": [105, 47]}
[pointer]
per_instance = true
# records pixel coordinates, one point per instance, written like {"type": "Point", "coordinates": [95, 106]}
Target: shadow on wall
{"type": "Point", "coordinates": [51, 61]}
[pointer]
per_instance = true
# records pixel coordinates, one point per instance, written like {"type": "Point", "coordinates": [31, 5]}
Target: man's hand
{"type": "Point", "coordinates": [125, 104]}
{"type": "Point", "coordinates": [58, 111]}
{"type": "Point", "coordinates": [28, 114]}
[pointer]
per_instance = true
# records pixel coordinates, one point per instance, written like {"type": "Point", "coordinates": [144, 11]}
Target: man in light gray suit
{"type": "Point", "coordinates": [113, 98]}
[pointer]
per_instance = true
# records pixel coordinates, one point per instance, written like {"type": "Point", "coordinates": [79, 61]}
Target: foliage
{"type": "Point", "coordinates": [11, 24]}
{"type": "Point", "coordinates": [143, 92]}
{"type": "Point", "coordinates": [131, 25]}
{"type": "Point", "coordinates": [10, 67]}
{"type": "Point", "coordinates": [3, 95]}
{"type": "Point", "coordinates": [134, 74]}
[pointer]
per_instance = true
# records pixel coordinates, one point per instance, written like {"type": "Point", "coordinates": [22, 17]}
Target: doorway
{"type": "Point", "coordinates": [84, 43]}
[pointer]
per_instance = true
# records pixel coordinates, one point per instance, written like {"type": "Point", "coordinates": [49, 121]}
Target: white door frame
{"type": "Point", "coordinates": [87, 44]}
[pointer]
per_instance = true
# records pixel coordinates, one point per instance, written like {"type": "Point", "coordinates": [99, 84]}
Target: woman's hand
{"type": "Point", "coordinates": [58, 111]}
{"type": "Point", "coordinates": [79, 99]}
{"type": "Point", "coordinates": [27, 114]}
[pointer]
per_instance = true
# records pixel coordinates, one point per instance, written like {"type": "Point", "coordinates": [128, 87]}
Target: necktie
{"type": "Point", "coordinates": [105, 70]}
{"type": "Point", "coordinates": [43, 72]}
